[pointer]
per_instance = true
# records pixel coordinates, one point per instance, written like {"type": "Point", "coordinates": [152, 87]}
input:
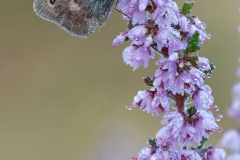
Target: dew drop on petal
{"type": "Point", "coordinates": [219, 117]}
{"type": "Point", "coordinates": [219, 129]}
{"type": "Point", "coordinates": [215, 107]}
{"type": "Point", "coordinates": [130, 107]}
{"type": "Point", "coordinates": [208, 36]}
{"type": "Point", "coordinates": [203, 25]}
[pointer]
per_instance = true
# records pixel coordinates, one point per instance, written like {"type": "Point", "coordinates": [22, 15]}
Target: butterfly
{"type": "Point", "coordinates": [80, 18]}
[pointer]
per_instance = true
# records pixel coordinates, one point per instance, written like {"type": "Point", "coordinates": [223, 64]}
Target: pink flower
{"type": "Point", "coordinates": [145, 154]}
{"type": "Point", "coordinates": [216, 153]}
{"type": "Point", "coordinates": [233, 156]}
{"type": "Point", "coordinates": [234, 110]}
{"type": "Point", "coordinates": [203, 63]}
{"type": "Point", "coordinates": [206, 123]}
{"type": "Point", "coordinates": [143, 4]}
{"type": "Point", "coordinates": [166, 14]}
{"type": "Point", "coordinates": [194, 155]}
{"type": "Point", "coordinates": [159, 26]}
{"type": "Point", "coordinates": [187, 129]}
{"type": "Point", "coordinates": [151, 101]}
{"type": "Point", "coordinates": [183, 23]}
{"type": "Point", "coordinates": [231, 139]}
{"type": "Point", "coordinates": [203, 99]}
{"type": "Point", "coordinates": [137, 32]}
{"type": "Point", "coordinates": [135, 56]}
{"type": "Point", "coordinates": [119, 39]}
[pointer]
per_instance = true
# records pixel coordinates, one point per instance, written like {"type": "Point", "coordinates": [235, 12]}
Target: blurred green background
{"type": "Point", "coordinates": [64, 98]}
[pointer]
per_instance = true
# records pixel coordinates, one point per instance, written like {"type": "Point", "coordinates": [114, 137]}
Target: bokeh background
{"type": "Point", "coordinates": [64, 98]}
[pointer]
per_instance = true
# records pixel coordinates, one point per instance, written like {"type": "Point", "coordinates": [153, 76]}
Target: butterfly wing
{"type": "Point", "coordinates": [78, 17]}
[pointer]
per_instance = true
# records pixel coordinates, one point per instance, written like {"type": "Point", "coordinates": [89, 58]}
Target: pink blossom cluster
{"type": "Point", "coordinates": [160, 27]}
{"type": "Point", "coordinates": [234, 110]}
{"type": "Point", "coordinates": [231, 138]}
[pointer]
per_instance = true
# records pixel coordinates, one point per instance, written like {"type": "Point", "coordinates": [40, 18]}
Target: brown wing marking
{"type": "Point", "coordinates": [78, 17]}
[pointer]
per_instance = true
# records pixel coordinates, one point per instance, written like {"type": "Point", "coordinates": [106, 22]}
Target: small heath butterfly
{"type": "Point", "coordinates": [78, 17]}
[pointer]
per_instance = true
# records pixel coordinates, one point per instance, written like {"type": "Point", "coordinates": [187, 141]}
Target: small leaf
{"type": "Point", "coordinates": [187, 7]}
{"type": "Point", "coordinates": [212, 66]}
{"type": "Point", "coordinates": [192, 110]}
{"type": "Point", "coordinates": [204, 140]}
{"type": "Point", "coordinates": [152, 142]}
{"type": "Point", "coordinates": [193, 44]}
{"type": "Point", "coordinates": [148, 81]}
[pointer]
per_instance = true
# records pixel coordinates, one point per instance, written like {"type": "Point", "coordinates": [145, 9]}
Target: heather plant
{"type": "Point", "coordinates": [177, 88]}
{"type": "Point", "coordinates": [231, 138]}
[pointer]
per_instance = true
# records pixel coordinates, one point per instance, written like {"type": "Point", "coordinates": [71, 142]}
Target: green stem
{"type": "Point", "coordinates": [204, 140]}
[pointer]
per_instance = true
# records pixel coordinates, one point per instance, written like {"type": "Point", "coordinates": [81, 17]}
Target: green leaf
{"type": "Point", "coordinates": [152, 142]}
{"type": "Point", "coordinates": [187, 7]}
{"type": "Point", "coordinates": [212, 66]}
{"type": "Point", "coordinates": [195, 36]}
{"type": "Point", "coordinates": [148, 81]}
{"type": "Point", "coordinates": [193, 44]}
{"type": "Point", "coordinates": [204, 140]}
{"type": "Point", "coordinates": [192, 110]}
{"type": "Point", "coordinates": [193, 63]}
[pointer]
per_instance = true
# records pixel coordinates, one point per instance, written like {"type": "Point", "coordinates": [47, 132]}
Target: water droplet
{"type": "Point", "coordinates": [203, 25]}
{"type": "Point", "coordinates": [208, 36]}
{"type": "Point", "coordinates": [215, 107]}
{"type": "Point", "coordinates": [219, 117]}
{"type": "Point", "coordinates": [219, 129]}
{"type": "Point", "coordinates": [129, 107]}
